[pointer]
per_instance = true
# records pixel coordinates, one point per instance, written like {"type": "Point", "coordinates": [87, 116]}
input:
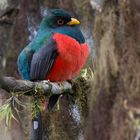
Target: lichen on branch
{"type": "Point", "coordinates": [29, 88]}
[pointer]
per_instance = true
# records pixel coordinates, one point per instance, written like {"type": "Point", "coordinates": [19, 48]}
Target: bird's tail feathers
{"type": "Point", "coordinates": [52, 101]}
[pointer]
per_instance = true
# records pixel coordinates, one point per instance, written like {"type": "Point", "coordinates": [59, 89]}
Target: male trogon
{"type": "Point", "coordinates": [58, 51]}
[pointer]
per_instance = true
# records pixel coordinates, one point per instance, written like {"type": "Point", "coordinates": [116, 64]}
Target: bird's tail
{"type": "Point", "coordinates": [49, 105]}
{"type": "Point", "coordinates": [52, 102]}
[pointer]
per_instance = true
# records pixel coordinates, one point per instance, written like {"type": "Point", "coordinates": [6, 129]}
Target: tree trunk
{"type": "Point", "coordinates": [114, 111]}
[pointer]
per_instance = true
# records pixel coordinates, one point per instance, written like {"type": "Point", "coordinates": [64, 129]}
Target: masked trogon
{"type": "Point", "coordinates": [58, 51]}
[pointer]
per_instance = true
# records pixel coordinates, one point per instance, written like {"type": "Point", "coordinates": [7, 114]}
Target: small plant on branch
{"type": "Point", "coordinates": [10, 109]}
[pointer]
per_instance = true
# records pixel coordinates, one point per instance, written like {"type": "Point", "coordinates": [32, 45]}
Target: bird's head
{"type": "Point", "coordinates": [60, 21]}
{"type": "Point", "coordinates": [57, 18]}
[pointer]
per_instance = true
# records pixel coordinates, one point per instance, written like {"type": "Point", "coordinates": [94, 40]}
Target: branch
{"type": "Point", "coordinates": [28, 88]}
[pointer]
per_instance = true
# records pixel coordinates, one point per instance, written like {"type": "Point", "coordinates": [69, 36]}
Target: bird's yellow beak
{"type": "Point", "coordinates": [73, 21]}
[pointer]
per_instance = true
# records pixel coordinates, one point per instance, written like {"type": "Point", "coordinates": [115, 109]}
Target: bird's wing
{"type": "Point", "coordinates": [23, 62]}
{"type": "Point", "coordinates": [43, 60]}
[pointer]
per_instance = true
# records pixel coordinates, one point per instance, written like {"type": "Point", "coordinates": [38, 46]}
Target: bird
{"type": "Point", "coordinates": [58, 51]}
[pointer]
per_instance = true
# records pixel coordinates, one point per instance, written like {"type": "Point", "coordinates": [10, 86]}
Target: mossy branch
{"type": "Point", "coordinates": [24, 87]}
{"type": "Point", "coordinates": [29, 88]}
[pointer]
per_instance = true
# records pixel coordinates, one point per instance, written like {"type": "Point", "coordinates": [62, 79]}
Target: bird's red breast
{"type": "Point", "coordinates": [72, 57]}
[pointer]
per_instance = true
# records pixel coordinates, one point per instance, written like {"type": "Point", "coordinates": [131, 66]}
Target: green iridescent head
{"type": "Point", "coordinates": [57, 18]}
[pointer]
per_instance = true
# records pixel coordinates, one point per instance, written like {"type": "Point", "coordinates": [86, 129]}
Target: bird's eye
{"type": "Point", "coordinates": [60, 21]}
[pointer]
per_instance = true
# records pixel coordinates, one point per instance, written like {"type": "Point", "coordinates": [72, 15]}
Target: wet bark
{"type": "Point", "coordinates": [115, 97]}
